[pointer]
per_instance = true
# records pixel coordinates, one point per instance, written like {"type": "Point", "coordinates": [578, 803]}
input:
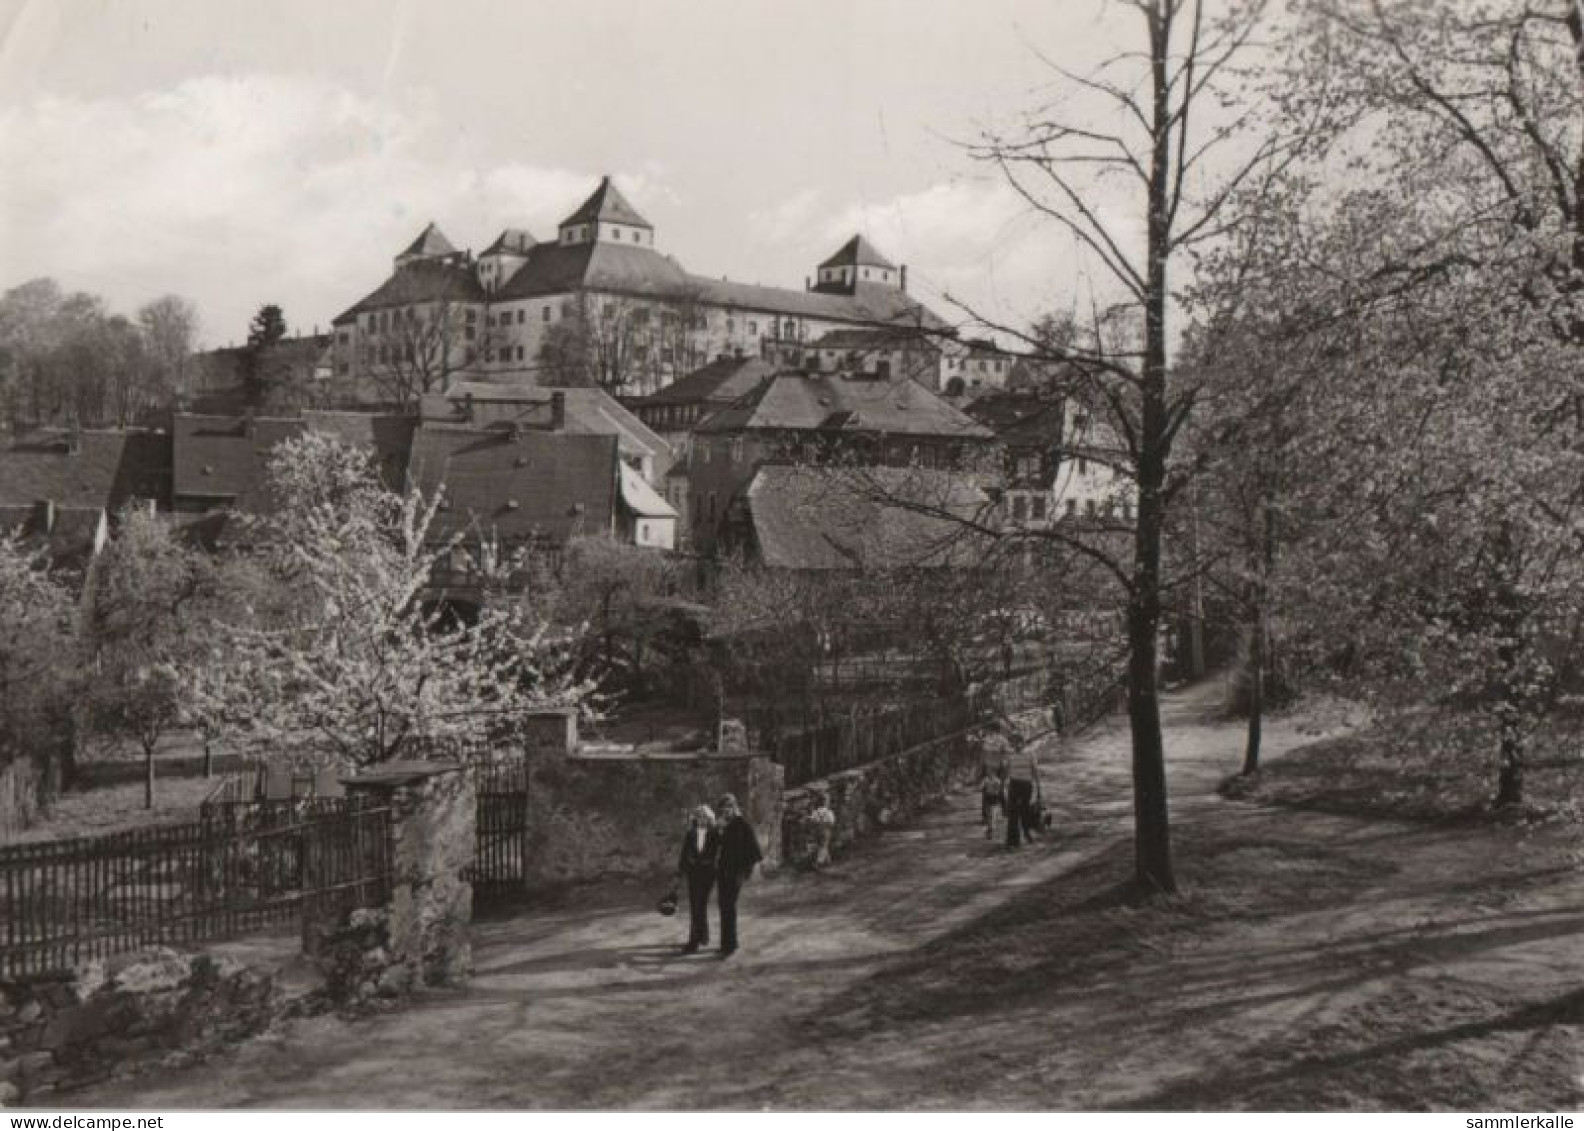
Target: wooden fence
{"type": "Point", "coordinates": [250, 868]}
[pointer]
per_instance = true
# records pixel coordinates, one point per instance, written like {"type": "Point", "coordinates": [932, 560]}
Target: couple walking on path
{"type": "Point", "coordinates": [717, 854]}
{"type": "Point", "coordinates": [1014, 788]}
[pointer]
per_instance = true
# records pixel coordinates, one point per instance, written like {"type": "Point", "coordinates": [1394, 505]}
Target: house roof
{"type": "Point", "coordinates": [822, 519]}
{"type": "Point", "coordinates": [798, 402]}
{"type": "Point", "coordinates": [387, 435]}
{"type": "Point", "coordinates": [1019, 419]}
{"type": "Point", "coordinates": [222, 368]}
{"type": "Point", "coordinates": [511, 241]}
{"type": "Point", "coordinates": [642, 499]}
{"type": "Point", "coordinates": [873, 303]}
{"type": "Point", "coordinates": [607, 204]}
{"type": "Point", "coordinates": [589, 411]}
{"type": "Point", "coordinates": [722, 380]}
{"type": "Point", "coordinates": [224, 457]}
{"type": "Point", "coordinates": [106, 469]}
{"type": "Point", "coordinates": [518, 486]}
{"type": "Point", "coordinates": [430, 242]}
{"type": "Point", "coordinates": [619, 268]}
{"type": "Point", "coordinates": [858, 252]}
{"type": "Point", "coordinates": [900, 337]}
{"type": "Point", "coordinates": [422, 280]}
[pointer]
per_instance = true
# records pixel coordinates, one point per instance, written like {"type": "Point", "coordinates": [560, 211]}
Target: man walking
{"type": "Point", "coordinates": [1022, 787]}
{"type": "Point", "coordinates": [739, 855]}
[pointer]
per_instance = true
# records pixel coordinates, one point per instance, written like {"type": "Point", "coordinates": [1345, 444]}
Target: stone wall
{"type": "Point", "coordinates": [419, 936]}
{"type": "Point", "coordinates": [125, 1015]}
{"type": "Point", "coordinates": [878, 795]}
{"type": "Point", "coordinates": [623, 815]}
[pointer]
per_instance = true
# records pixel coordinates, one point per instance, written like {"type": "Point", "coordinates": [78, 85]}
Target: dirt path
{"type": "Point", "coordinates": [933, 969]}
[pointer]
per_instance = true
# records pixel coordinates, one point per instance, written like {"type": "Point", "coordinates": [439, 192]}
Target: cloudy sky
{"type": "Point", "coordinates": [248, 152]}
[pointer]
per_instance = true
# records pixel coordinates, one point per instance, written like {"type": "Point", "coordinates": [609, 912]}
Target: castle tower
{"type": "Point", "coordinates": [606, 217]}
{"type": "Point", "coordinates": [858, 262]}
{"type": "Point", "coordinates": [430, 244]}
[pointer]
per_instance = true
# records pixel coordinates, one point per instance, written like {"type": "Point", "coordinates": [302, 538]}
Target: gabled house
{"type": "Point", "coordinates": [797, 418]}
{"type": "Point", "coordinates": [1028, 430]}
{"type": "Point", "coordinates": [61, 490]}
{"type": "Point", "coordinates": [869, 519]}
{"type": "Point", "coordinates": [575, 411]}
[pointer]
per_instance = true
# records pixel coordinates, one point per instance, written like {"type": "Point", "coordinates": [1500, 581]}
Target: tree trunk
{"type": "Point", "coordinates": [1256, 705]}
{"type": "Point", "coordinates": [208, 765]}
{"type": "Point", "coordinates": [1510, 777]}
{"type": "Point", "coordinates": [148, 775]}
{"type": "Point", "coordinates": [1152, 864]}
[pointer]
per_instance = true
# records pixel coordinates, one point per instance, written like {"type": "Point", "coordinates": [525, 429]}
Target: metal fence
{"type": "Point", "coordinates": [253, 867]}
{"type": "Point", "coordinates": [500, 858]}
{"type": "Point", "coordinates": [848, 741]}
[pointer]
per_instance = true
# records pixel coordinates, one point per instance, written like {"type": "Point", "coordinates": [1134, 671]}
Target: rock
{"type": "Point", "coordinates": [9, 1094]}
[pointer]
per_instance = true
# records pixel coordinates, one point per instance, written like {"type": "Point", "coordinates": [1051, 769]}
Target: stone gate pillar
{"type": "Point", "coordinates": [420, 936]}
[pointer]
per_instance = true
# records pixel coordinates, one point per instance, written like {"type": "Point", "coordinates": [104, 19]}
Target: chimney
{"type": "Point", "coordinates": [558, 411]}
{"type": "Point", "coordinates": [904, 276]}
{"type": "Point", "coordinates": [44, 511]}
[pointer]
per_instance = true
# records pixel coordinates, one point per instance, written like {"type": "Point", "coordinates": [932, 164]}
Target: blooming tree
{"type": "Point", "coordinates": [354, 667]}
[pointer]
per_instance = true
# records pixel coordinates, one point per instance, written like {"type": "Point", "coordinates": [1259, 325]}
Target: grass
{"type": "Point", "coordinates": [107, 796]}
{"type": "Point", "coordinates": [1425, 766]}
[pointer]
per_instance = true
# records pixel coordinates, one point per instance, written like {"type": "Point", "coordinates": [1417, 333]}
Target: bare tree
{"type": "Point", "coordinates": [1169, 114]}
{"type": "Point", "coordinates": [419, 351]}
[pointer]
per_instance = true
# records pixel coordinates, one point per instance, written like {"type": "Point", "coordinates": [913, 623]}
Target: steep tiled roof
{"type": "Point", "coordinates": [724, 379]}
{"type": "Point", "coordinates": [858, 252]}
{"type": "Point", "coordinates": [430, 242]}
{"type": "Point", "coordinates": [387, 435]}
{"type": "Point", "coordinates": [617, 268]}
{"type": "Point", "coordinates": [591, 412]}
{"type": "Point", "coordinates": [793, 401]}
{"type": "Point", "coordinates": [609, 205]}
{"type": "Point", "coordinates": [107, 469]}
{"type": "Point", "coordinates": [642, 499]}
{"type": "Point", "coordinates": [423, 280]}
{"type": "Point", "coordinates": [820, 519]}
{"type": "Point", "coordinates": [902, 337]}
{"type": "Point", "coordinates": [222, 368]}
{"type": "Point", "coordinates": [873, 303]}
{"type": "Point", "coordinates": [518, 486]}
{"type": "Point", "coordinates": [511, 241]}
{"type": "Point", "coordinates": [1019, 419]}
{"type": "Point", "coordinates": [223, 458]}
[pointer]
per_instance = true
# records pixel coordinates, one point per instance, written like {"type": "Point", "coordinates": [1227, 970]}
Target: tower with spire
{"type": "Point", "coordinates": [606, 217]}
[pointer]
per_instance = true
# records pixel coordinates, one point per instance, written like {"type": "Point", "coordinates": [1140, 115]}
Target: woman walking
{"type": "Point", "coordinates": [697, 868]}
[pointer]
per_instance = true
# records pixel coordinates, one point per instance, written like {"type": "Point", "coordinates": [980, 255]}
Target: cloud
{"type": "Point", "coordinates": [241, 189]}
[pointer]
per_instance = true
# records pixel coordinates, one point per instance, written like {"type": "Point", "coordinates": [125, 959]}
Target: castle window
{"type": "Point", "coordinates": [522, 315]}
{"type": "Point", "coordinates": [753, 328]}
{"type": "Point", "coordinates": [1037, 508]}
{"type": "Point", "coordinates": [519, 353]}
{"type": "Point", "coordinates": [547, 314]}
{"type": "Point", "coordinates": [1072, 506]}
{"type": "Point", "coordinates": [615, 233]}
{"type": "Point", "coordinates": [637, 237]}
